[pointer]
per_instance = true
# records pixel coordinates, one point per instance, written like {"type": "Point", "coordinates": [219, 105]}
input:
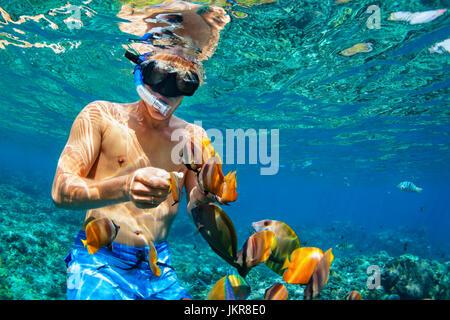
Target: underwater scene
{"type": "Point", "coordinates": [324, 172]}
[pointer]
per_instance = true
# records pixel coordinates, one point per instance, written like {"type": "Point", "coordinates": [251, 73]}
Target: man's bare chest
{"type": "Point", "coordinates": [124, 150]}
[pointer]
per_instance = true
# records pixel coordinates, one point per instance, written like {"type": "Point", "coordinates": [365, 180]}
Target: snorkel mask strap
{"type": "Point", "coordinates": [145, 95]}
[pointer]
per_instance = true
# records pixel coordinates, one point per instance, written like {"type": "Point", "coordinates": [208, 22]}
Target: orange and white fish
{"type": "Point", "coordinates": [152, 259]}
{"type": "Point", "coordinates": [100, 233]}
{"type": "Point", "coordinates": [320, 276]}
{"type": "Point", "coordinates": [257, 249]}
{"type": "Point", "coordinates": [357, 48]}
{"type": "Point", "coordinates": [416, 17]}
{"type": "Point", "coordinates": [302, 265]}
{"type": "Point", "coordinates": [196, 151]}
{"type": "Point", "coordinates": [211, 180]}
{"type": "Point", "coordinates": [353, 295]}
{"type": "Point", "coordinates": [276, 292]}
{"type": "Point", "coordinates": [175, 186]}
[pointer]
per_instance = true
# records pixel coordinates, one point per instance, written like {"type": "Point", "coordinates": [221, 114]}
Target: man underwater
{"type": "Point", "coordinates": [115, 165]}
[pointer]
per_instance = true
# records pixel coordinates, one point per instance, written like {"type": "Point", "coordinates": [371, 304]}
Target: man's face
{"type": "Point", "coordinates": [174, 102]}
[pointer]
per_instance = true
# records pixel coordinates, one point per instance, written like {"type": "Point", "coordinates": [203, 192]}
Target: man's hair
{"type": "Point", "coordinates": [179, 63]}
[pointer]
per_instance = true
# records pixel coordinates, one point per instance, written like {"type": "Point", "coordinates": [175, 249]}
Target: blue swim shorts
{"type": "Point", "coordinates": [120, 274]}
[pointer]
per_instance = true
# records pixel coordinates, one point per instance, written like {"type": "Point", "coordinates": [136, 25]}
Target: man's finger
{"type": "Point", "coordinates": [153, 182]}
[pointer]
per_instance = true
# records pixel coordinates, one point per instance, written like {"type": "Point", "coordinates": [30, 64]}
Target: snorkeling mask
{"type": "Point", "coordinates": [164, 80]}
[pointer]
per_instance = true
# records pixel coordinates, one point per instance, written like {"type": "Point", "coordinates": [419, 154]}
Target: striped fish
{"type": "Point", "coordinates": [99, 233]}
{"type": "Point", "coordinates": [409, 187]}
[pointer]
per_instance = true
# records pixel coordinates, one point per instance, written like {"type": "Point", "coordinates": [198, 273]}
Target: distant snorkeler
{"type": "Point", "coordinates": [409, 187]}
{"type": "Point", "coordinates": [117, 163]}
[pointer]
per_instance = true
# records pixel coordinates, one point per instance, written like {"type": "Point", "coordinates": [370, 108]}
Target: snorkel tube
{"type": "Point", "coordinates": [145, 95]}
{"type": "Point", "coordinates": [142, 91]}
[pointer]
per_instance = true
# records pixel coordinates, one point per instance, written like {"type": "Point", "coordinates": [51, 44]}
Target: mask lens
{"type": "Point", "coordinates": [187, 83]}
{"type": "Point", "coordinates": [169, 83]}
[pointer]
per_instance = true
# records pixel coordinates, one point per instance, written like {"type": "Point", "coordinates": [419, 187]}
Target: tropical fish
{"type": "Point", "coordinates": [353, 295]}
{"type": "Point", "coordinates": [357, 48]}
{"type": "Point", "coordinates": [196, 152]}
{"type": "Point", "coordinates": [306, 164]}
{"type": "Point", "coordinates": [256, 250]}
{"type": "Point", "coordinates": [276, 292]}
{"type": "Point", "coordinates": [416, 17]}
{"type": "Point", "coordinates": [302, 265]}
{"type": "Point", "coordinates": [441, 47]}
{"type": "Point", "coordinates": [409, 187]}
{"type": "Point", "coordinates": [175, 187]}
{"type": "Point", "coordinates": [230, 287]}
{"type": "Point", "coordinates": [343, 246]}
{"type": "Point", "coordinates": [100, 233]}
{"type": "Point", "coordinates": [212, 181]}
{"type": "Point", "coordinates": [152, 259]}
{"type": "Point", "coordinates": [217, 229]}
{"type": "Point", "coordinates": [320, 276]}
{"type": "Point", "coordinates": [287, 242]}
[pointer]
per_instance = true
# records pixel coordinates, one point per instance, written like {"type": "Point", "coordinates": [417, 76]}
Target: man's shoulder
{"type": "Point", "coordinates": [191, 128]}
{"type": "Point", "coordinates": [101, 105]}
{"type": "Point", "coordinates": [105, 109]}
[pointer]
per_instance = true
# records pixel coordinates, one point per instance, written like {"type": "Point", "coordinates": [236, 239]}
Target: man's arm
{"type": "Point", "coordinates": [146, 187]}
{"type": "Point", "coordinates": [71, 189]}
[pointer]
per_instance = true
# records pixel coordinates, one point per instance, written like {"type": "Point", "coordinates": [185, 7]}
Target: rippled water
{"type": "Point", "coordinates": [351, 127]}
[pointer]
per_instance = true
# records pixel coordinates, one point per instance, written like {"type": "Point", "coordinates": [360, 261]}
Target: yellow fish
{"type": "Point", "coordinates": [100, 233]}
{"type": "Point", "coordinates": [302, 265]}
{"type": "Point", "coordinates": [174, 186]}
{"type": "Point", "coordinates": [211, 180]}
{"type": "Point", "coordinates": [320, 276]}
{"type": "Point", "coordinates": [287, 242]}
{"type": "Point", "coordinates": [357, 48]}
{"type": "Point", "coordinates": [256, 249]}
{"type": "Point", "coordinates": [353, 295]}
{"type": "Point", "coordinates": [230, 287]}
{"type": "Point", "coordinates": [152, 258]}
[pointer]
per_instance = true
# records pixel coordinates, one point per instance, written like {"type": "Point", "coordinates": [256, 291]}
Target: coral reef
{"type": "Point", "coordinates": [35, 237]}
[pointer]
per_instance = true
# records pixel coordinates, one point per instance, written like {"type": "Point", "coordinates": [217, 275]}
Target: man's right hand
{"type": "Point", "coordinates": [147, 187]}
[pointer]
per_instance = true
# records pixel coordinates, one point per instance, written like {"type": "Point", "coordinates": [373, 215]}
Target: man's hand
{"type": "Point", "coordinates": [196, 197]}
{"type": "Point", "coordinates": [147, 187]}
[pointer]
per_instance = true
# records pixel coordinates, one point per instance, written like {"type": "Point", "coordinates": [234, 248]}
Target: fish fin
{"type": "Point", "coordinates": [286, 264]}
{"type": "Point", "coordinates": [116, 227]}
{"type": "Point", "coordinates": [198, 228]}
{"type": "Point", "coordinates": [87, 221]}
{"type": "Point", "coordinates": [419, 190]}
{"type": "Point", "coordinates": [91, 249]}
{"type": "Point", "coordinates": [84, 242]}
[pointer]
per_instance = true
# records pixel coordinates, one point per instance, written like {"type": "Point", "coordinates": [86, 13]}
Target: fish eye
{"type": "Point", "coordinates": [266, 223]}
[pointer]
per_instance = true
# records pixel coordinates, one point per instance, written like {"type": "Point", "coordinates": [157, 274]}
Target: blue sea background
{"type": "Point", "coordinates": [350, 129]}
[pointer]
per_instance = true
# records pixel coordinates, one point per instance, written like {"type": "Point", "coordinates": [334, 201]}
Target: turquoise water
{"type": "Point", "coordinates": [350, 129]}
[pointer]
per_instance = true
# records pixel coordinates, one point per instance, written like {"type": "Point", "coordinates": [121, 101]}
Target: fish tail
{"type": "Point", "coordinates": [419, 190]}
